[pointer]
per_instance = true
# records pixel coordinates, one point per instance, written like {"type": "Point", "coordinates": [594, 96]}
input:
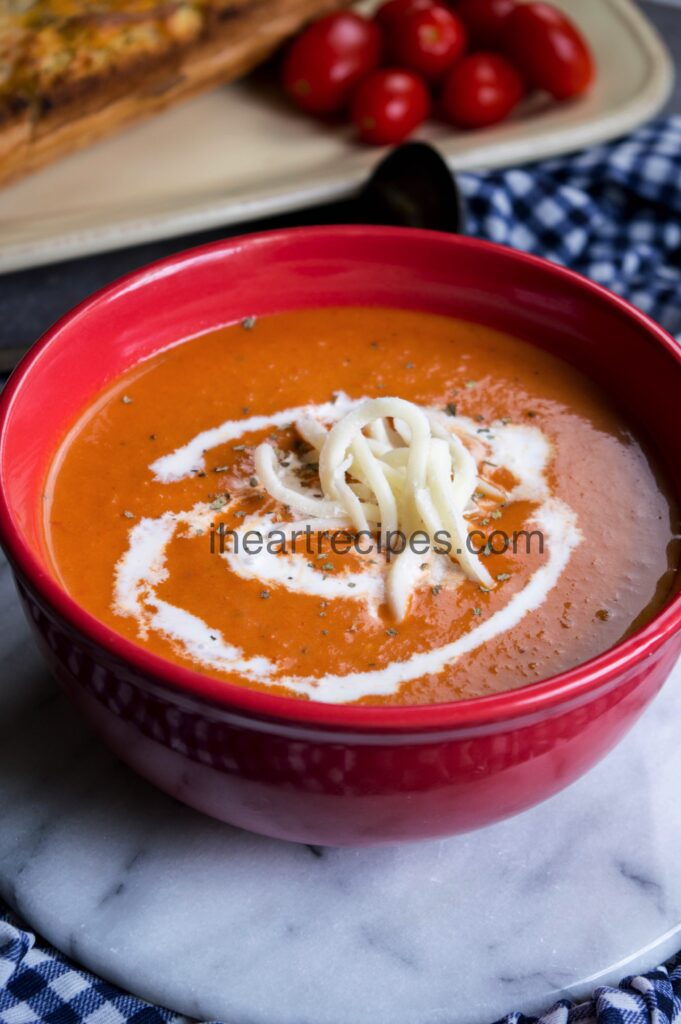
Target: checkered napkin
{"type": "Point", "coordinates": [614, 214]}
{"type": "Point", "coordinates": [39, 984]}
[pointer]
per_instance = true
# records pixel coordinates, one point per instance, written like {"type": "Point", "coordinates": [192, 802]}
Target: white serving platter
{"type": "Point", "coordinates": [239, 153]}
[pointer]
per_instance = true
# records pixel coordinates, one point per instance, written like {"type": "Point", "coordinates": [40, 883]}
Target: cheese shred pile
{"type": "Point", "coordinates": [388, 468]}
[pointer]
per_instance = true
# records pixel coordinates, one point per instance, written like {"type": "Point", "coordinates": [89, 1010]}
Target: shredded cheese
{"type": "Point", "coordinates": [389, 468]}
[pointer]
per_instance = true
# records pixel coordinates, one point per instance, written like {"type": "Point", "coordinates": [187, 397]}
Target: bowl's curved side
{"type": "Point", "coordinates": [334, 787]}
{"type": "Point", "coordinates": [195, 291]}
{"type": "Point", "coordinates": [302, 770]}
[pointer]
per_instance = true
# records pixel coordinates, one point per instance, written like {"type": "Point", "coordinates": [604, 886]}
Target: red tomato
{"type": "Point", "coordinates": [328, 59]}
{"type": "Point", "coordinates": [484, 20]}
{"type": "Point", "coordinates": [388, 105]}
{"type": "Point", "coordinates": [481, 90]}
{"type": "Point", "coordinates": [548, 47]}
{"type": "Point", "coordinates": [388, 14]}
{"type": "Point", "coordinates": [428, 41]}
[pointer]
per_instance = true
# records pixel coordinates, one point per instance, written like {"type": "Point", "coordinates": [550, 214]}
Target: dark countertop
{"type": "Point", "coordinates": [31, 300]}
{"type": "Point", "coordinates": [666, 15]}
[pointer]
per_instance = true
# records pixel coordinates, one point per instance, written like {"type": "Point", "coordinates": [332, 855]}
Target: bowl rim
{"type": "Point", "coordinates": [452, 716]}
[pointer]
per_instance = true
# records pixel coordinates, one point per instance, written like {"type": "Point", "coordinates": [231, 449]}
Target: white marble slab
{"type": "Point", "coordinates": [220, 924]}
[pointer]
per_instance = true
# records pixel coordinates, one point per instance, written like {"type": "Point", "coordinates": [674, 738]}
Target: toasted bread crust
{"type": "Point", "coordinates": [79, 110]}
{"type": "Point", "coordinates": [52, 53]}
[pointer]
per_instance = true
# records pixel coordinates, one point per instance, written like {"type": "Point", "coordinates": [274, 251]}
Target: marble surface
{"type": "Point", "coordinates": [217, 923]}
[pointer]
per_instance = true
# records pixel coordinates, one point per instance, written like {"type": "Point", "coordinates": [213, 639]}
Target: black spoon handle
{"type": "Point", "coordinates": [412, 187]}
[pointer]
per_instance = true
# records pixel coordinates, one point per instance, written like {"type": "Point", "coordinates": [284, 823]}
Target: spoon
{"type": "Point", "coordinates": [412, 187]}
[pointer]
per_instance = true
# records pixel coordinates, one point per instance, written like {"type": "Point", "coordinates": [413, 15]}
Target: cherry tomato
{"type": "Point", "coordinates": [484, 20]}
{"type": "Point", "coordinates": [388, 14]}
{"type": "Point", "coordinates": [388, 105]}
{"type": "Point", "coordinates": [328, 59]}
{"type": "Point", "coordinates": [428, 41]}
{"type": "Point", "coordinates": [548, 47]}
{"type": "Point", "coordinates": [481, 90]}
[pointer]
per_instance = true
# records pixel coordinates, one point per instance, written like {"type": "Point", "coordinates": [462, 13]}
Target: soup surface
{"type": "Point", "coordinates": [159, 494]}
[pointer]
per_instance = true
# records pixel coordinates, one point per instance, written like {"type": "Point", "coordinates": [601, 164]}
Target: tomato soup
{"type": "Point", "coordinates": [361, 505]}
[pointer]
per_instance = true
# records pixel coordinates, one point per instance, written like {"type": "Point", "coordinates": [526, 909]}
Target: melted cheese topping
{"type": "Point", "coordinates": [49, 49]}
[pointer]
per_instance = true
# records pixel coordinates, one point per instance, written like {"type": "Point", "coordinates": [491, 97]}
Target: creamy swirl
{"type": "Point", "coordinates": [363, 440]}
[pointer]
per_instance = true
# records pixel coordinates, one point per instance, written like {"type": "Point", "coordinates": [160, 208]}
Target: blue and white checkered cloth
{"type": "Point", "coordinates": [612, 213]}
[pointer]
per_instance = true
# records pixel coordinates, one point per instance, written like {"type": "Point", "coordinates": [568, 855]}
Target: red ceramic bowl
{"type": "Point", "coordinates": [299, 770]}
